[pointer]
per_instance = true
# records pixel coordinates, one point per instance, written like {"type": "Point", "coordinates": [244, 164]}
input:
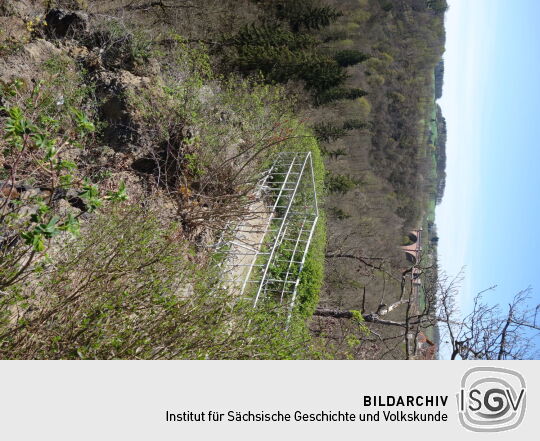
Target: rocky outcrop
{"type": "Point", "coordinates": [125, 147]}
{"type": "Point", "coordinates": [62, 23]}
{"type": "Point", "coordinates": [21, 8]}
{"type": "Point", "coordinates": [114, 89]}
{"type": "Point", "coordinates": [26, 63]}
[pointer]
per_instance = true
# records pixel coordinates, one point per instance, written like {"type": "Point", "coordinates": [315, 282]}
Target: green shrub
{"type": "Point", "coordinates": [41, 124]}
{"type": "Point", "coordinates": [339, 93]}
{"type": "Point", "coordinates": [364, 106]}
{"type": "Point", "coordinates": [129, 289]}
{"type": "Point", "coordinates": [306, 14]}
{"type": "Point", "coordinates": [349, 57]}
{"type": "Point", "coordinates": [327, 132]}
{"type": "Point", "coordinates": [336, 183]}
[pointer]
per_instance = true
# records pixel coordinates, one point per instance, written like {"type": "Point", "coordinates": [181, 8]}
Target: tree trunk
{"type": "Point", "coordinates": [342, 313]}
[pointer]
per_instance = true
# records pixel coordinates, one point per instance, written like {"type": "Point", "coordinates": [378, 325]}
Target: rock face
{"type": "Point", "coordinates": [26, 63]}
{"type": "Point", "coordinates": [113, 89]}
{"type": "Point", "coordinates": [106, 59]}
{"type": "Point", "coordinates": [13, 31]}
{"type": "Point", "coordinates": [124, 148]}
{"type": "Point", "coordinates": [62, 23]}
{"type": "Point", "coordinates": [21, 8]}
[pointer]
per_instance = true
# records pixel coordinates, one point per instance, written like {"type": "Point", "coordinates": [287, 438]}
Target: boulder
{"type": "Point", "coordinates": [25, 63]}
{"type": "Point", "coordinates": [62, 23]}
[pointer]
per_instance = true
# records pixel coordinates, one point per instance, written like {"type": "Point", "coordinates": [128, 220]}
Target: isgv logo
{"type": "Point", "coordinates": [491, 399]}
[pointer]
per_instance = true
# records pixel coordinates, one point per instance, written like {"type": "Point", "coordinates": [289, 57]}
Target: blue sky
{"type": "Point", "coordinates": [488, 220]}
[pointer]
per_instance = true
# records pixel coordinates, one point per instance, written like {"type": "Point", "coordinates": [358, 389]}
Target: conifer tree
{"type": "Point", "coordinates": [270, 35]}
{"type": "Point", "coordinates": [349, 57]}
{"type": "Point", "coordinates": [305, 14]}
{"type": "Point", "coordinates": [352, 124]}
{"type": "Point", "coordinates": [282, 53]}
{"type": "Point", "coordinates": [321, 74]}
{"type": "Point", "coordinates": [339, 93]}
{"type": "Point", "coordinates": [280, 64]}
{"type": "Point", "coordinates": [327, 132]}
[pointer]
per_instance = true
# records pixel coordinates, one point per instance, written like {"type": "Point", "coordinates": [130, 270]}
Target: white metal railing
{"type": "Point", "coordinates": [267, 252]}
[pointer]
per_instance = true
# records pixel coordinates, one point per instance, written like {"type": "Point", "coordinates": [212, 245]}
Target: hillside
{"type": "Point", "coordinates": [396, 165]}
{"type": "Point", "coordinates": [139, 138]}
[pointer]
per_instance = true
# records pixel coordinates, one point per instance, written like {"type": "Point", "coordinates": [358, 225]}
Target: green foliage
{"type": "Point", "coordinates": [120, 195]}
{"type": "Point", "coordinates": [336, 153]}
{"type": "Point", "coordinates": [305, 15]}
{"type": "Point", "coordinates": [386, 5]}
{"type": "Point", "coordinates": [353, 124]}
{"type": "Point", "coordinates": [339, 93]}
{"type": "Point", "coordinates": [90, 195]}
{"type": "Point", "coordinates": [327, 132]}
{"type": "Point", "coordinates": [438, 6]}
{"type": "Point", "coordinates": [287, 266]}
{"type": "Point", "coordinates": [406, 240]}
{"type": "Point", "coordinates": [349, 57]}
{"type": "Point", "coordinates": [84, 125]}
{"type": "Point", "coordinates": [127, 289]}
{"type": "Point", "coordinates": [281, 55]}
{"type": "Point", "coordinates": [281, 64]}
{"type": "Point", "coordinates": [270, 34]}
{"type": "Point", "coordinates": [321, 74]}
{"type": "Point", "coordinates": [338, 213]}
{"type": "Point", "coordinates": [41, 125]}
{"type": "Point", "coordinates": [312, 276]}
{"type": "Point", "coordinates": [337, 183]}
{"type": "Point", "coordinates": [364, 106]}
{"type": "Point", "coordinates": [127, 286]}
{"type": "Point", "coordinates": [358, 318]}
{"type": "Point", "coordinates": [220, 133]}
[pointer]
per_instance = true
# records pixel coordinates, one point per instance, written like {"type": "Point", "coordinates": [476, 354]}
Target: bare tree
{"type": "Point", "coordinates": [396, 321]}
{"type": "Point", "coordinates": [488, 332]}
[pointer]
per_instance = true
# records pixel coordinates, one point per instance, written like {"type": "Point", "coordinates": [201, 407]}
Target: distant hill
{"type": "Point", "coordinates": [439, 74]}
{"type": "Point", "coordinates": [440, 154]}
